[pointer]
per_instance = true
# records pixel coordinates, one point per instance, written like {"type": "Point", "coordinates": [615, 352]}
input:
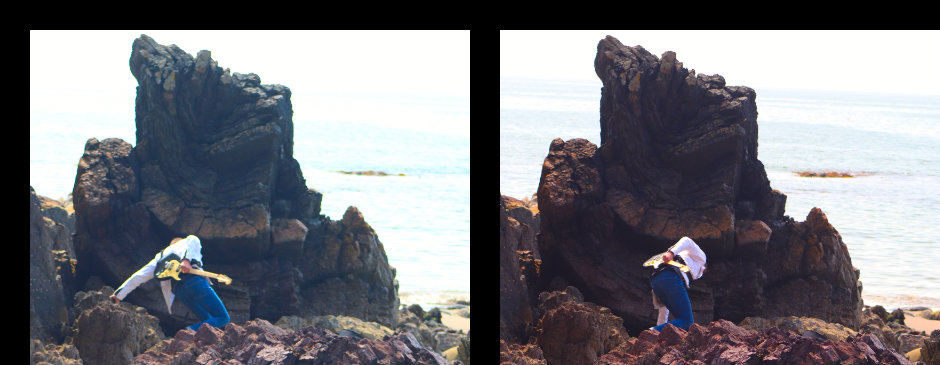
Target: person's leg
{"type": "Point", "coordinates": [185, 293]}
{"type": "Point", "coordinates": [670, 289]}
{"type": "Point", "coordinates": [208, 302]}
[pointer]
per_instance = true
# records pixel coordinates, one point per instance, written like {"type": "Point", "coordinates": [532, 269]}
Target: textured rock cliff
{"type": "Point", "coordinates": [214, 158]}
{"type": "Point", "coordinates": [678, 157]}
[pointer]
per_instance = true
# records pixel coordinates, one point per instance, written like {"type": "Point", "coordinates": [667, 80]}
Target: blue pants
{"type": "Point", "coordinates": [669, 287]}
{"type": "Point", "coordinates": [199, 297]}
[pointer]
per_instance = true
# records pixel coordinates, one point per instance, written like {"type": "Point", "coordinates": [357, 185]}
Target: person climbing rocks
{"type": "Point", "coordinates": [670, 283]}
{"type": "Point", "coordinates": [195, 291]}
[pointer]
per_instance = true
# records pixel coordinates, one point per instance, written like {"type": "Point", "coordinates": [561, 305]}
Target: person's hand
{"type": "Point", "coordinates": [668, 256]}
{"type": "Point", "coordinates": [115, 299]}
{"type": "Point", "coordinates": [185, 266]}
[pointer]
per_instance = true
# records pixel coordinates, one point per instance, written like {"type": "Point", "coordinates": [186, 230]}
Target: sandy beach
{"type": "Point", "coordinates": [452, 318]}
{"type": "Point", "coordinates": [918, 323]}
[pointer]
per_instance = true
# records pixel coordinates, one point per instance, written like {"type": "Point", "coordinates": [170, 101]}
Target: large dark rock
{"type": "Point", "coordinates": [214, 158]}
{"type": "Point", "coordinates": [215, 150]}
{"type": "Point", "coordinates": [678, 157]}
{"type": "Point", "coordinates": [515, 313]}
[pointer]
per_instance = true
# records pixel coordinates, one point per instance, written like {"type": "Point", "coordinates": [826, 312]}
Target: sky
{"type": "Point", "coordinates": [327, 71]}
{"type": "Point", "coordinates": [884, 61]}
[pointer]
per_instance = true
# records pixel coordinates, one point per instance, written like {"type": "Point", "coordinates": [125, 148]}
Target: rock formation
{"type": "Point", "coordinates": [48, 305]}
{"type": "Point", "coordinates": [515, 312]}
{"type": "Point", "coordinates": [571, 331]}
{"type": "Point", "coordinates": [214, 158]}
{"type": "Point", "coordinates": [678, 157]}
{"type": "Point", "coordinates": [106, 333]}
{"type": "Point", "coordinates": [260, 342]}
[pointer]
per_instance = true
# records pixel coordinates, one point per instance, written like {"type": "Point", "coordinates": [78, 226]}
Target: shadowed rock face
{"type": "Point", "coordinates": [48, 306]}
{"type": "Point", "coordinates": [678, 157]}
{"type": "Point", "coordinates": [214, 158]}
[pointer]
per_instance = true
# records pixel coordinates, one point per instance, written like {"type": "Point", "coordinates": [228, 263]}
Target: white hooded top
{"type": "Point", "coordinates": [187, 248]}
{"type": "Point", "coordinates": [694, 258]}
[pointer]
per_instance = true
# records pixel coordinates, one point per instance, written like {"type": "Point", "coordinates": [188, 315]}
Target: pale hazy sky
{"type": "Point", "coordinates": [77, 71]}
{"type": "Point", "coordinates": [856, 60]}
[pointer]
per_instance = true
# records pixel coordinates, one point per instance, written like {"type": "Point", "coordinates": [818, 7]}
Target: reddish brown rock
{"type": "Point", "coordinates": [575, 332]}
{"type": "Point", "coordinates": [260, 342]}
{"type": "Point", "coordinates": [722, 342]}
{"type": "Point", "coordinates": [108, 333]}
{"type": "Point", "coordinates": [528, 354]}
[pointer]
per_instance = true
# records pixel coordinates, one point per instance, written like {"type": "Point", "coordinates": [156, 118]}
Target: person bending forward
{"type": "Point", "coordinates": [195, 291]}
{"type": "Point", "coordinates": [670, 284]}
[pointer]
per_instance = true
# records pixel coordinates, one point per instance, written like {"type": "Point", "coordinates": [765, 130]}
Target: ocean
{"type": "Point", "coordinates": [887, 216]}
{"type": "Point", "coordinates": [422, 218]}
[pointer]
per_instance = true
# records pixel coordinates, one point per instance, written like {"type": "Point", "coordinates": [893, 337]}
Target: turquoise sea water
{"type": "Point", "coordinates": [887, 218]}
{"type": "Point", "coordinates": [422, 218]}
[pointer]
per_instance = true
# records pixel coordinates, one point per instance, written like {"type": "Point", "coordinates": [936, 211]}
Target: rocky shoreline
{"type": "Point", "coordinates": [896, 336]}
{"type": "Point", "coordinates": [214, 158]}
{"type": "Point", "coordinates": [678, 158]}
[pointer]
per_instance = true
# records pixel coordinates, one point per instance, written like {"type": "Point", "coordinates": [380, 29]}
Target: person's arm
{"type": "Point", "coordinates": [668, 256]}
{"type": "Point", "coordinates": [141, 276]}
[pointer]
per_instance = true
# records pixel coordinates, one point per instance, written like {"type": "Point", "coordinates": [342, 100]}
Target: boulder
{"type": "Point", "coordinates": [678, 157]}
{"type": "Point", "coordinates": [346, 272]}
{"type": "Point", "coordinates": [260, 342]}
{"type": "Point", "coordinates": [107, 333]}
{"type": "Point", "coordinates": [575, 332]}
